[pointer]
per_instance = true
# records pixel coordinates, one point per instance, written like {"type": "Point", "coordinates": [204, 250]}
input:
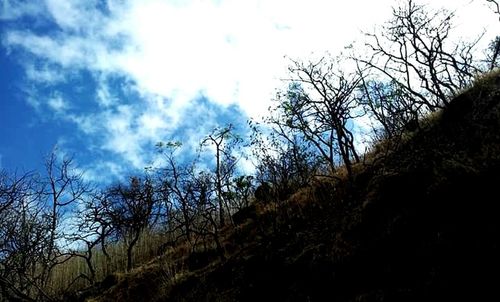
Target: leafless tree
{"type": "Point", "coordinates": [493, 51]}
{"type": "Point", "coordinates": [61, 189]}
{"type": "Point", "coordinates": [176, 188]}
{"type": "Point", "coordinates": [492, 54]}
{"type": "Point", "coordinates": [131, 208]}
{"type": "Point", "coordinates": [414, 51]}
{"type": "Point", "coordinates": [319, 105]}
{"type": "Point", "coordinates": [282, 164]}
{"type": "Point", "coordinates": [95, 228]}
{"type": "Point", "coordinates": [34, 210]}
{"type": "Point", "coordinates": [206, 202]}
{"type": "Point", "coordinates": [242, 189]}
{"type": "Point", "coordinates": [390, 105]}
{"type": "Point", "coordinates": [224, 140]}
{"type": "Point", "coordinates": [23, 237]}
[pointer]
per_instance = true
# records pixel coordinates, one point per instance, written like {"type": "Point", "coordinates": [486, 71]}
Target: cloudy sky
{"type": "Point", "coordinates": [105, 80]}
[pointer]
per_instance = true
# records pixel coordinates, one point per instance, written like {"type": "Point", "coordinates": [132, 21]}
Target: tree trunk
{"type": "Point", "coordinates": [130, 250]}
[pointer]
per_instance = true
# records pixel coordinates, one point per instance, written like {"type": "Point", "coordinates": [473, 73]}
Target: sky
{"type": "Point", "coordinates": [104, 80]}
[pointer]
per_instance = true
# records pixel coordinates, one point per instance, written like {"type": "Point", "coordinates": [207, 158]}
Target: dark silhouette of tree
{"type": "Point", "coordinates": [23, 238]}
{"type": "Point", "coordinates": [241, 191]}
{"type": "Point", "coordinates": [492, 54]}
{"type": "Point", "coordinates": [131, 208]}
{"type": "Point", "coordinates": [495, 6]}
{"type": "Point", "coordinates": [224, 140]}
{"type": "Point", "coordinates": [34, 210]}
{"type": "Point", "coordinates": [282, 164]}
{"type": "Point", "coordinates": [94, 228]}
{"type": "Point", "coordinates": [206, 202]}
{"type": "Point", "coordinates": [414, 52]}
{"type": "Point", "coordinates": [319, 106]}
{"type": "Point", "coordinates": [177, 188]}
{"type": "Point", "coordinates": [390, 105]}
{"type": "Point", "coordinates": [62, 189]}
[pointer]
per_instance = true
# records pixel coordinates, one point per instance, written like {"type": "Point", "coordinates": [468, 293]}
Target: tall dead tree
{"type": "Point", "coordinates": [224, 140]}
{"type": "Point", "coordinates": [62, 188]}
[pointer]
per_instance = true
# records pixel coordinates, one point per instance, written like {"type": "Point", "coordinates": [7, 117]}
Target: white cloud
{"type": "Point", "coordinates": [104, 96]}
{"type": "Point", "coordinates": [58, 104]}
{"type": "Point", "coordinates": [103, 172]}
{"type": "Point", "coordinates": [73, 14]}
{"type": "Point", "coordinates": [12, 9]}
{"type": "Point", "coordinates": [130, 131]}
{"type": "Point", "coordinates": [32, 98]}
{"type": "Point", "coordinates": [68, 52]}
{"type": "Point", "coordinates": [151, 123]}
{"type": "Point", "coordinates": [89, 124]}
{"type": "Point", "coordinates": [122, 135]}
{"type": "Point", "coordinates": [44, 74]}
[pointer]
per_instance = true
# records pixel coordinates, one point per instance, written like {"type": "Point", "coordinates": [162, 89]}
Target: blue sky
{"type": "Point", "coordinates": [105, 80]}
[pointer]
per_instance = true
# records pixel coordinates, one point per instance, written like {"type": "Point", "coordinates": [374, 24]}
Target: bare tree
{"type": "Point", "coordinates": [206, 202]}
{"type": "Point", "coordinates": [388, 104]}
{"type": "Point", "coordinates": [34, 210]}
{"type": "Point", "coordinates": [495, 6]}
{"type": "Point", "coordinates": [176, 188]}
{"type": "Point", "coordinates": [493, 51]}
{"type": "Point", "coordinates": [23, 237]}
{"type": "Point", "coordinates": [131, 208]}
{"type": "Point", "coordinates": [224, 140]}
{"type": "Point", "coordinates": [94, 228]}
{"type": "Point", "coordinates": [414, 52]}
{"type": "Point", "coordinates": [319, 105]}
{"type": "Point", "coordinates": [61, 189]}
{"type": "Point", "coordinates": [492, 54]}
{"type": "Point", "coordinates": [282, 164]}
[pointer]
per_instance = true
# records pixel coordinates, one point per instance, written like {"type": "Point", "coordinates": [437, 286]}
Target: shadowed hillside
{"type": "Point", "coordinates": [418, 221]}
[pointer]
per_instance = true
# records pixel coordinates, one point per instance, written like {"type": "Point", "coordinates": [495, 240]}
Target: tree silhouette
{"type": "Point", "coordinates": [414, 52]}
{"type": "Point", "coordinates": [131, 208]}
{"type": "Point", "coordinates": [319, 106]}
{"type": "Point", "coordinates": [224, 140]}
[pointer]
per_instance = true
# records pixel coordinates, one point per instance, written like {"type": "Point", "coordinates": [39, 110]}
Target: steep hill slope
{"type": "Point", "coordinates": [418, 223]}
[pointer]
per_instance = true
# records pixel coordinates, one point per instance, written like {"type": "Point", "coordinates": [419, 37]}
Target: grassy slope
{"type": "Point", "coordinates": [420, 223]}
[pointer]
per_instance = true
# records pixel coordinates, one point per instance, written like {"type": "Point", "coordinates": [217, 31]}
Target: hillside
{"type": "Point", "coordinates": [417, 222]}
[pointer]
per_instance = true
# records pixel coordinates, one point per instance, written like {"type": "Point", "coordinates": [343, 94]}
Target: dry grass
{"type": "Point", "coordinates": [69, 275]}
{"type": "Point", "coordinates": [168, 264]}
{"type": "Point", "coordinates": [490, 79]}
